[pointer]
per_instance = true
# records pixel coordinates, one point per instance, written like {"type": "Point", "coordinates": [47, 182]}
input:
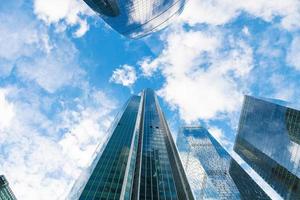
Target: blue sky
{"type": "Point", "coordinates": [64, 74]}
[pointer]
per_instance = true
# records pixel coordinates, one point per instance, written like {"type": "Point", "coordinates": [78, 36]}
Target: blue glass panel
{"type": "Point", "coordinates": [140, 160]}
{"type": "Point", "coordinates": [268, 140]}
{"type": "Point", "coordinates": [156, 179]}
{"type": "Point", "coordinates": [217, 175]}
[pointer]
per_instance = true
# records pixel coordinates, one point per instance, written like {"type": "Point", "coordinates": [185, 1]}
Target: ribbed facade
{"type": "Point", "coordinates": [5, 191]}
{"type": "Point", "coordinates": [140, 160]}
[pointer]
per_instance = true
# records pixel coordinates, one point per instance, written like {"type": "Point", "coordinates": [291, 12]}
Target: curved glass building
{"type": "Point", "coordinates": [137, 18]}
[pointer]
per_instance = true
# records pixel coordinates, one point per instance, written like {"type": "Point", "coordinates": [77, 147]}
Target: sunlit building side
{"type": "Point", "coordinates": [212, 172]}
{"type": "Point", "coordinates": [137, 18]}
{"type": "Point", "coordinates": [268, 140]}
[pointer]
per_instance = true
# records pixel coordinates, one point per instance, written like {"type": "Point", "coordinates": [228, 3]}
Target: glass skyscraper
{"type": "Point", "coordinates": [5, 191]}
{"type": "Point", "coordinates": [137, 18]}
{"type": "Point", "coordinates": [140, 159]}
{"type": "Point", "coordinates": [268, 140]}
{"type": "Point", "coordinates": [212, 172]}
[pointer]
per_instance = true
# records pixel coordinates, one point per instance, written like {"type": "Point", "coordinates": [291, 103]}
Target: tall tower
{"type": "Point", "coordinates": [268, 140]}
{"type": "Point", "coordinates": [140, 159]}
{"type": "Point", "coordinates": [137, 18]}
{"type": "Point", "coordinates": [5, 191]}
{"type": "Point", "coordinates": [212, 172]}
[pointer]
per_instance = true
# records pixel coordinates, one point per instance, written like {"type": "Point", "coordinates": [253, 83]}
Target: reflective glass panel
{"type": "Point", "coordinates": [268, 140]}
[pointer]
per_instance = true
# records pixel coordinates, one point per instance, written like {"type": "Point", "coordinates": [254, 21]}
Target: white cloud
{"type": "Point", "coordinates": [293, 55]}
{"type": "Point", "coordinates": [49, 59]}
{"type": "Point", "coordinates": [181, 52]}
{"type": "Point", "coordinates": [216, 12]}
{"type": "Point", "coordinates": [201, 97]}
{"type": "Point", "coordinates": [20, 37]}
{"type": "Point", "coordinates": [46, 139]}
{"type": "Point", "coordinates": [202, 80]}
{"type": "Point", "coordinates": [54, 69]}
{"type": "Point", "coordinates": [85, 128]}
{"type": "Point", "coordinates": [246, 31]}
{"type": "Point", "coordinates": [284, 89]}
{"type": "Point", "coordinates": [7, 110]}
{"type": "Point", "coordinates": [124, 75]}
{"type": "Point", "coordinates": [219, 135]}
{"type": "Point", "coordinates": [64, 13]}
{"type": "Point", "coordinates": [149, 66]}
{"type": "Point", "coordinates": [39, 163]}
{"type": "Point", "coordinates": [209, 11]}
{"type": "Point", "coordinates": [17, 40]}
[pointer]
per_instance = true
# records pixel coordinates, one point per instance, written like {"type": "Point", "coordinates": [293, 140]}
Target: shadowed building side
{"type": "Point", "coordinates": [268, 140]}
{"type": "Point", "coordinates": [292, 119]}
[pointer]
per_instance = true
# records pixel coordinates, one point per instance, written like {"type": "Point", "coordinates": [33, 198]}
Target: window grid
{"type": "Point", "coordinates": [225, 179]}
{"type": "Point", "coordinates": [154, 141]}
{"type": "Point", "coordinates": [153, 176]}
{"type": "Point", "coordinates": [106, 179]}
{"type": "Point", "coordinates": [141, 17]}
{"type": "Point", "coordinates": [265, 127]}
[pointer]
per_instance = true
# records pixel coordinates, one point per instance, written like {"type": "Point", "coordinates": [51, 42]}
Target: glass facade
{"type": "Point", "coordinates": [268, 140]}
{"type": "Point", "coordinates": [140, 160]}
{"type": "Point", "coordinates": [212, 172]}
{"type": "Point", "coordinates": [107, 178]}
{"type": "Point", "coordinates": [104, 7]}
{"type": "Point", "coordinates": [159, 169]}
{"type": "Point", "coordinates": [137, 18]}
{"type": "Point", "coordinates": [5, 191]}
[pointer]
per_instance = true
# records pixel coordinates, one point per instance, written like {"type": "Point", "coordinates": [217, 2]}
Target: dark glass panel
{"type": "Point", "coordinates": [268, 140]}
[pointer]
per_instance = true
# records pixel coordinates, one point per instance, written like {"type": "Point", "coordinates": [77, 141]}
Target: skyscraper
{"type": "Point", "coordinates": [137, 18]}
{"type": "Point", "coordinates": [268, 140]}
{"type": "Point", "coordinates": [212, 172]}
{"type": "Point", "coordinates": [139, 161]}
{"type": "Point", "coordinates": [5, 191]}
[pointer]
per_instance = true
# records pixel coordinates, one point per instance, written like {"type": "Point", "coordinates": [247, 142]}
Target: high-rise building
{"type": "Point", "coordinates": [137, 18]}
{"type": "Point", "coordinates": [140, 159]}
{"type": "Point", "coordinates": [268, 140]}
{"type": "Point", "coordinates": [5, 191]}
{"type": "Point", "coordinates": [211, 171]}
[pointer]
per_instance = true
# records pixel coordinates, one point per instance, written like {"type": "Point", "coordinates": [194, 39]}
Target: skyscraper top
{"type": "Point", "coordinates": [137, 18]}
{"type": "Point", "coordinates": [139, 161]}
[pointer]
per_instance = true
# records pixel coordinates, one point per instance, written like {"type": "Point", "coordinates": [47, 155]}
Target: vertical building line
{"type": "Point", "coordinates": [182, 185]}
{"type": "Point", "coordinates": [137, 173]}
{"type": "Point", "coordinates": [136, 135]}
